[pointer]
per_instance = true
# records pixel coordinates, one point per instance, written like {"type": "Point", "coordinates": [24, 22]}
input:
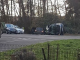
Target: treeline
{"type": "Point", "coordinates": [39, 14]}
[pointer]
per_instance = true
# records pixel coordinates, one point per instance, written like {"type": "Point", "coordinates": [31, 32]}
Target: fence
{"type": "Point", "coordinates": [41, 53]}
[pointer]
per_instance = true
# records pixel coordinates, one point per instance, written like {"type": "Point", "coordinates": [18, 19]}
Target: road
{"type": "Point", "coordinates": [12, 41]}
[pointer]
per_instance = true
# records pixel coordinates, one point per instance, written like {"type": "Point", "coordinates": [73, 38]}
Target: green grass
{"type": "Point", "coordinates": [67, 49]}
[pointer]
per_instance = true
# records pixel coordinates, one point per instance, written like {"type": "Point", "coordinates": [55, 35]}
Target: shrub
{"type": "Point", "coordinates": [24, 54]}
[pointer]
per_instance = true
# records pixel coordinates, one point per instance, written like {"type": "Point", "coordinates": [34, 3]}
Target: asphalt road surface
{"type": "Point", "coordinates": [12, 41]}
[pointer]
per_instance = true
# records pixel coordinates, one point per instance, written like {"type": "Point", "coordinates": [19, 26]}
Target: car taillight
{"type": "Point", "coordinates": [42, 31]}
{"type": "Point", "coordinates": [35, 30]}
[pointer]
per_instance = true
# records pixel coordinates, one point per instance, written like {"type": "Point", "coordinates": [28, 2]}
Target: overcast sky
{"type": "Point", "coordinates": [61, 2]}
{"type": "Point", "coordinates": [17, 7]}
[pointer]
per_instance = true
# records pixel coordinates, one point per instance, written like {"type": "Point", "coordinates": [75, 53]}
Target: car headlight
{"type": "Point", "coordinates": [16, 30]}
{"type": "Point", "coordinates": [23, 30]}
{"type": "Point", "coordinates": [7, 28]}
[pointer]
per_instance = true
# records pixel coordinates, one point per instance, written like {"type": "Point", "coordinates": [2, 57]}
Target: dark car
{"type": "Point", "coordinates": [39, 30]}
{"type": "Point", "coordinates": [9, 28]}
{"type": "Point", "coordinates": [33, 30]}
{"type": "Point", "coordinates": [55, 29]}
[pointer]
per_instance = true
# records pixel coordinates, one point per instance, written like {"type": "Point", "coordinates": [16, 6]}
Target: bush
{"type": "Point", "coordinates": [69, 30]}
{"type": "Point", "coordinates": [23, 55]}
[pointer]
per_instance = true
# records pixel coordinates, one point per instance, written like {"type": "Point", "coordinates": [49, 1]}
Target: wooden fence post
{"type": "Point", "coordinates": [48, 51]}
{"type": "Point", "coordinates": [79, 56]}
{"type": "Point", "coordinates": [43, 54]}
{"type": "Point", "coordinates": [57, 52]}
{"type": "Point", "coordinates": [13, 57]}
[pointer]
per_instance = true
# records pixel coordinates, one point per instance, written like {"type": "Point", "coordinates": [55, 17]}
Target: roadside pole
{"type": "Point", "coordinates": [0, 29]}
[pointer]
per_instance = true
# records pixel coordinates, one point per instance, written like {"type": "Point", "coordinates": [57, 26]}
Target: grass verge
{"type": "Point", "coordinates": [66, 48]}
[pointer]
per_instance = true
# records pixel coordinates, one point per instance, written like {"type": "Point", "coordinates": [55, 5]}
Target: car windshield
{"type": "Point", "coordinates": [9, 25]}
{"type": "Point", "coordinates": [39, 29]}
{"type": "Point", "coordinates": [17, 26]}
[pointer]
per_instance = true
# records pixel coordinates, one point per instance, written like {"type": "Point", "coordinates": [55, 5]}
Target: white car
{"type": "Point", "coordinates": [19, 30]}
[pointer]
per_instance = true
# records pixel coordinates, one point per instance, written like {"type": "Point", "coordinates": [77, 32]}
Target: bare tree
{"type": "Point", "coordinates": [2, 11]}
{"type": "Point", "coordinates": [44, 8]}
{"type": "Point", "coordinates": [55, 7]}
{"type": "Point", "coordinates": [58, 8]}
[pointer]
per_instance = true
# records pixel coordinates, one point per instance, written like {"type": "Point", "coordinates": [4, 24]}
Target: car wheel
{"type": "Point", "coordinates": [7, 32]}
{"type": "Point", "coordinates": [1, 32]}
{"type": "Point", "coordinates": [16, 32]}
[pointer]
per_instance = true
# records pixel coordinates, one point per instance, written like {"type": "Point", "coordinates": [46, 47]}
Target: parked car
{"type": "Point", "coordinates": [55, 29]}
{"type": "Point", "coordinates": [19, 30]}
{"type": "Point", "coordinates": [9, 28]}
{"type": "Point", "coordinates": [33, 30]}
{"type": "Point", "coordinates": [39, 30]}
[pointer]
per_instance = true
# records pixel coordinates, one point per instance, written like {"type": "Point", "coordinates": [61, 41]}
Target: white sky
{"type": "Point", "coordinates": [17, 8]}
{"type": "Point", "coordinates": [62, 10]}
